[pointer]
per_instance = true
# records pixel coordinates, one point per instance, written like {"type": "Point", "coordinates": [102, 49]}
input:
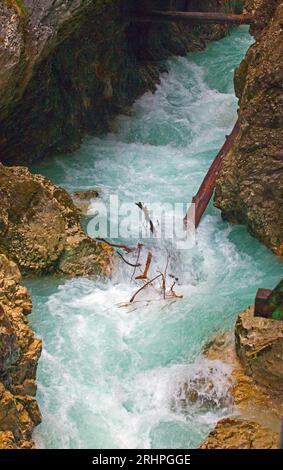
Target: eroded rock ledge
{"type": "Point", "coordinates": [259, 346]}
{"type": "Point", "coordinates": [235, 433]}
{"type": "Point", "coordinates": [250, 187]}
{"type": "Point", "coordinates": [256, 357]}
{"type": "Point", "coordinates": [40, 228]}
{"type": "Point", "coordinates": [19, 354]}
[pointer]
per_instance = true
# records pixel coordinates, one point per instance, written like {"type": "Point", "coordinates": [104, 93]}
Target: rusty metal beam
{"type": "Point", "coordinates": [261, 303]}
{"type": "Point", "coordinates": [193, 17]}
{"type": "Point", "coordinates": [204, 194]}
{"type": "Point", "coordinates": [269, 303]}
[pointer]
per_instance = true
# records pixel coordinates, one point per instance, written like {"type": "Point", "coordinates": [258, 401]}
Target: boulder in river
{"type": "Point", "coordinates": [40, 228]}
{"type": "Point", "coordinates": [207, 386]}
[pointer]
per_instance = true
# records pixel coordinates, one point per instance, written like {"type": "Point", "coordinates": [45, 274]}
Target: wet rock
{"type": "Point", "coordinates": [82, 199]}
{"type": "Point", "coordinates": [255, 397]}
{"type": "Point", "coordinates": [236, 433]}
{"type": "Point", "coordinates": [259, 346]}
{"type": "Point", "coordinates": [202, 392]}
{"type": "Point", "coordinates": [262, 11]}
{"type": "Point", "coordinates": [7, 440]}
{"type": "Point", "coordinates": [221, 347]}
{"type": "Point", "coordinates": [255, 402]}
{"type": "Point", "coordinates": [67, 67]}
{"type": "Point", "coordinates": [251, 400]}
{"type": "Point", "coordinates": [85, 195]}
{"type": "Point", "coordinates": [19, 355]}
{"type": "Point", "coordinates": [40, 228]}
{"type": "Point", "coordinates": [207, 387]}
{"type": "Point", "coordinates": [249, 189]}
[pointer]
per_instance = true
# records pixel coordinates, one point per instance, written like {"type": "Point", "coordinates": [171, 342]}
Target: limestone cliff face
{"type": "Point", "coordinates": [67, 67]}
{"type": "Point", "coordinates": [259, 345]}
{"type": "Point", "coordinates": [19, 354]}
{"type": "Point", "coordinates": [40, 228]}
{"type": "Point", "coordinates": [250, 187]}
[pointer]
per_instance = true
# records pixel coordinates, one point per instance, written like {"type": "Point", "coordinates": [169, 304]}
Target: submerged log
{"type": "Point", "coordinates": [196, 17]}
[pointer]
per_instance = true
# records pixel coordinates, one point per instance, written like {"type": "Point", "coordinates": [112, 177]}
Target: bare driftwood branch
{"type": "Point", "coordinates": [128, 262]}
{"type": "Point", "coordinates": [145, 301]}
{"type": "Point", "coordinates": [164, 285]}
{"type": "Point", "coordinates": [173, 294]}
{"type": "Point", "coordinates": [140, 245]}
{"type": "Point", "coordinates": [146, 215]}
{"type": "Point", "coordinates": [167, 263]}
{"type": "Point", "coordinates": [172, 287]}
{"type": "Point", "coordinates": [147, 266]}
{"type": "Point", "coordinates": [128, 249]}
{"type": "Point", "coordinates": [144, 286]}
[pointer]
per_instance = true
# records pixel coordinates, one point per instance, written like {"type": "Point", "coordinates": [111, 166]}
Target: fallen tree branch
{"type": "Point", "coordinates": [173, 294]}
{"type": "Point", "coordinates": [144, 286]}
{"type": "Point", "coordinates": [146, 215]}
{"type": "Point", "coordinates": [140, 245]}
{"type": "Point", "coordinates": [128, 262]}
{"type": "Point", "coordinates": [128, 249]}
{"type": "Point", "coordinates": [164, 285]}
{"type": "Point", "coordinates": [146, 269]}
{"type": "Point", "coordinates": [172, 287]}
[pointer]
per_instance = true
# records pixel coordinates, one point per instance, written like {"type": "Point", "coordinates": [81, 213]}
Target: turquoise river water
{"type": "Point", "coordinates": [111, 377]}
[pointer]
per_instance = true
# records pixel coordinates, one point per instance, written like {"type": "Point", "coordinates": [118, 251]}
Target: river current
{"type": "Point", "coordinates": [110, 377]}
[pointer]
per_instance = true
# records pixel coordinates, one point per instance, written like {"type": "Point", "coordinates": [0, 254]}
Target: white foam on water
{"type": "Point", "coordinates": [110, 376]}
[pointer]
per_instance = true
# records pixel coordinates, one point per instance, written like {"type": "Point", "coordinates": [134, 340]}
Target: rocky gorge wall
{"type": "Point", "coordinates": [65, 71]}
{"type": "Point", "coordinates": [255, 352]}
{"type": "Point", "coordinates": [250, 187]}
{"type": "Point", "coordinates": [67, 68]}
{"type": "Point", "coordinates": [40, 234]}
{"type": "Point", "coordinates": [19, 354]}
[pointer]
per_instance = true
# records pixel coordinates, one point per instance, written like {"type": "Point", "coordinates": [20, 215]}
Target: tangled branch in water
{"type": "Point", "coordinates": [128, 249]}
{"type": "Point", "coordinates": [144, 286]}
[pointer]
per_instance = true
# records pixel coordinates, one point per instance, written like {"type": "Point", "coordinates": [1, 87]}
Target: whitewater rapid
{"type": "Point", "coordinates": [111, 377]}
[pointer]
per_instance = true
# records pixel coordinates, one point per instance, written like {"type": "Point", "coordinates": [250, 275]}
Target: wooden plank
{"type": "Point", "coordinates": [198, 17]}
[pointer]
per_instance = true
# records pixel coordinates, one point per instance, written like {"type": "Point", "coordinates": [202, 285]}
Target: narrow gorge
{"type": "Point", "coordinates": [97, 102]}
